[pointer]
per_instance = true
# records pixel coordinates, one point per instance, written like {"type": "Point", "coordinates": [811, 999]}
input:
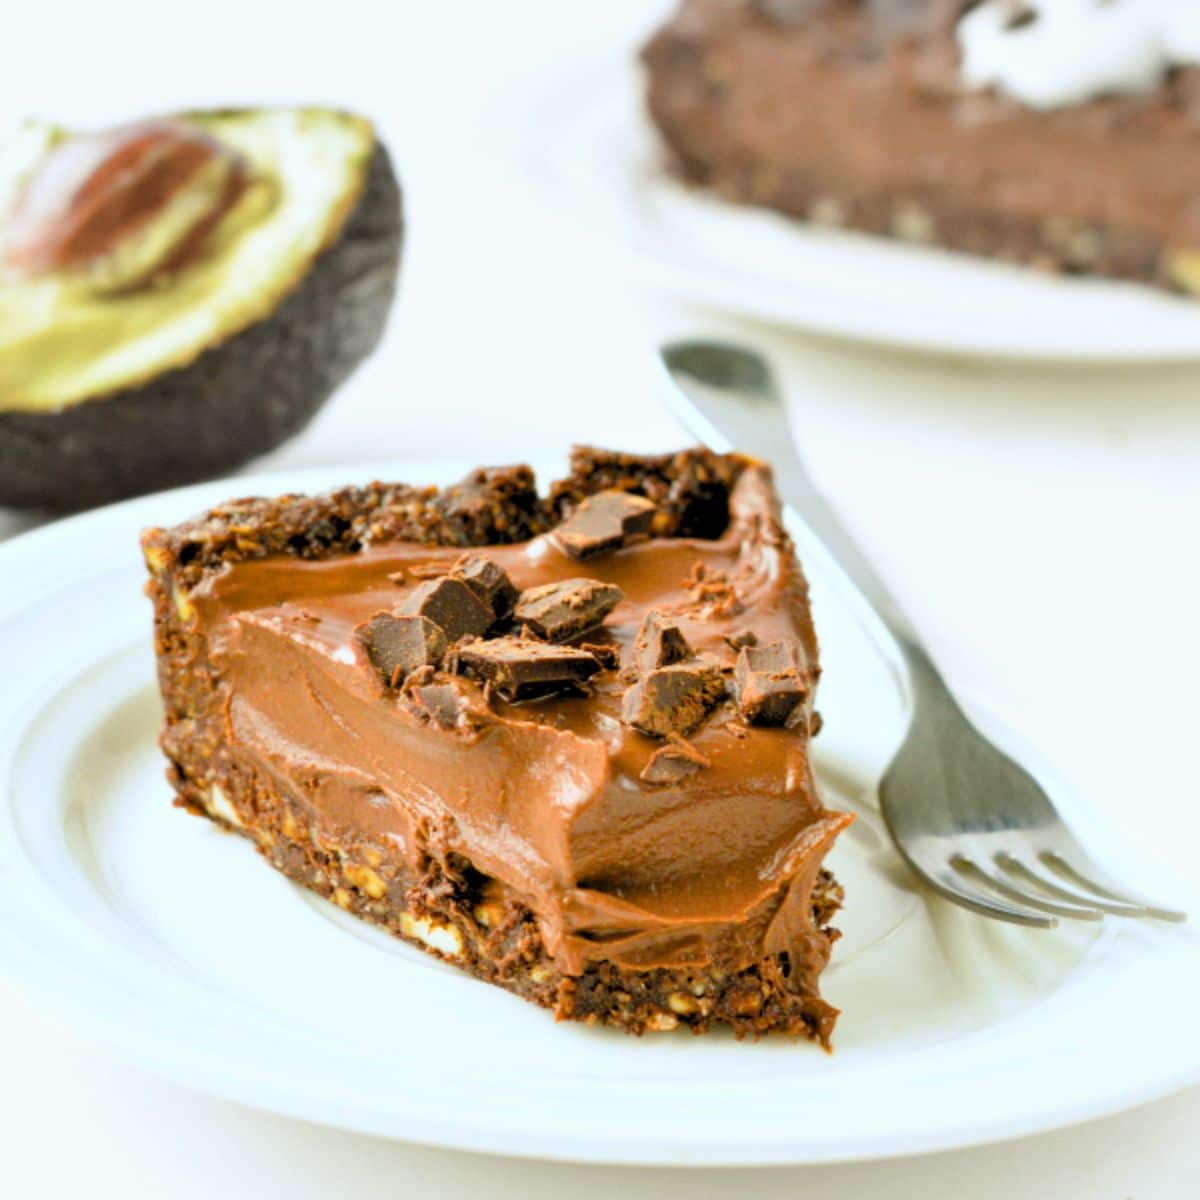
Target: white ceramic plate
{"type": "Point", "coordinates": [181, 951]}
{"type": "Point", "coordinates": [586, 141]}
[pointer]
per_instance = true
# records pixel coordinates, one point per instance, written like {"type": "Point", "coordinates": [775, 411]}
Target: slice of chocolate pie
{"type": "Point", "coordinates": [1061, 134]}
{"type": "Point", "coordinates": [561, 742]}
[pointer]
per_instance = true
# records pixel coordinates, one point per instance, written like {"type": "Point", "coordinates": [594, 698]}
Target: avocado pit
{"type": "Point", "coordinates": [123, 205]}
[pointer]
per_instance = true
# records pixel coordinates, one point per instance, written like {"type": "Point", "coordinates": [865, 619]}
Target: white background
{"type": "Point", "coordinates": [1041, 525]}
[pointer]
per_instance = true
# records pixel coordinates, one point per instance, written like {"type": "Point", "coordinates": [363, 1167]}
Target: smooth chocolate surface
{"type": "Point", "coordinates": [630, 849]}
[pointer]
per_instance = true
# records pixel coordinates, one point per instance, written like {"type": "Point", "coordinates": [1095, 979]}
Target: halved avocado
{"type": "Point", "coordinates": [106, 393]}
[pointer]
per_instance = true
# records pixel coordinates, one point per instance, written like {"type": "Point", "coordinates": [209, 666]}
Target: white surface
{"type": "Point", "coordinates": [1040, 525]}
{"type": "Point", "coordinates": [110, 914]}
{"type": "Point", "coordinates": [587, 142]}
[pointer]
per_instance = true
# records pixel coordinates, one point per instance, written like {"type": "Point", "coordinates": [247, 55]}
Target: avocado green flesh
{"type": "Point", "coordinates": [62, 342]}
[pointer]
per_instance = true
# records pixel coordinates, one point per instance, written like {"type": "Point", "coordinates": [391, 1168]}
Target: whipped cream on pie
{"type": "Point", "coordinates": [1053, 53]}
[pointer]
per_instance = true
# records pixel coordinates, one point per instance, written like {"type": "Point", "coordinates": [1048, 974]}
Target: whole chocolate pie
{"type": "Point", "coordinates": [1062, 134]}
{"type": "Point", "coordinates": [560, 741]}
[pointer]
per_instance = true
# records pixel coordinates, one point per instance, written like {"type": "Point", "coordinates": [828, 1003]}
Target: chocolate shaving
{"type": "Point", "coordinates": [561, 611]}
{"type": "Point", "coordinates": [428, 570]}
{"type": "Point", "coordinates": [395, 646]}
{"type": "Point", "coordinates": [770, 684]}
{"type": "Point", "coordinates": [441, 702]}
{"type": "Point", "coordinates": [674, 762]}
{"type": "Point", "coordinates": [490, 583]}
{"type": "Point", "coordinates": [516, 668]}
{"type": "Point", "coordinates": [450, 604]}
{"type": "Point", "coordinates": [744, 637]}
{"type": "Point", "coordinates": [604, 522]}
{"type": "Point", "coordinates": [673, 699]}
{"type": "Point", "coordinates": [605, 653]}
{"type": "Point", "coordinates": [659, 644]}
{"type": "Point", "coordinates": [711, 592]}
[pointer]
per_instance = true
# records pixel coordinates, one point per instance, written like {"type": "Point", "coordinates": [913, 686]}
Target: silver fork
{"type": "Point", "coordinates": [971, 822]}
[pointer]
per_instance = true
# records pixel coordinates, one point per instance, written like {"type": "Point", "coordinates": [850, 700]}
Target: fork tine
{"type": "Point", "coordinates": [952, 886]}
{"type": "Point", "coordinates": [1056, 862]}
{"type": "Point", "coordinates": [974, 871]}
{"type": "Point", "coordinates": [1015, 867]}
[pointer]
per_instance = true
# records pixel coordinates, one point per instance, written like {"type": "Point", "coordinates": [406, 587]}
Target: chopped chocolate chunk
{"type": "Point", "coordinates": [489, 581]}
{"type": "Point", "coordinates": [396, 646]}
{"type": "Point", "coordinates": [744, 637]}
{"type": "Point", "coordinates": [442, 702]}
{"type": "Point", "coordinates": [659, 644]}
{"type": "Point", "coordinates": [516, 668]}
{"type": "Point", "coordinates": [675, 761]}
{"type": "Point", "coordinates": [428, 570]}
{"type": "Point", "coordinates": [603, 522]}
{"type": "Point", "coordinates": [770, 684]}
{"type": "Point", "coordinates": [451, 604]}
{"type": "Point", "coordinates": [673, 699]}
{"type": "Point", "coordinates": [605, 653]}
{"type": "Point", "coordinates": [561, 611]}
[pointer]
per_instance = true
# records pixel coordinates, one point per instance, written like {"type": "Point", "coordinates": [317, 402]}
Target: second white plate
{"type": "Point", "coordinates": [585, 141]}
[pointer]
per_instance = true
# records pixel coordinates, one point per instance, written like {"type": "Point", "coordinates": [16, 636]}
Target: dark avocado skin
{"type": "Point", "coordinates": [237, 400]}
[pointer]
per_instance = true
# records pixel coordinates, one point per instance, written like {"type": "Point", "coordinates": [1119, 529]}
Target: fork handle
{"type": "Point", "coordinates": [801, 496]}
{"type": "Point", "coordinates": [799, 492]}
